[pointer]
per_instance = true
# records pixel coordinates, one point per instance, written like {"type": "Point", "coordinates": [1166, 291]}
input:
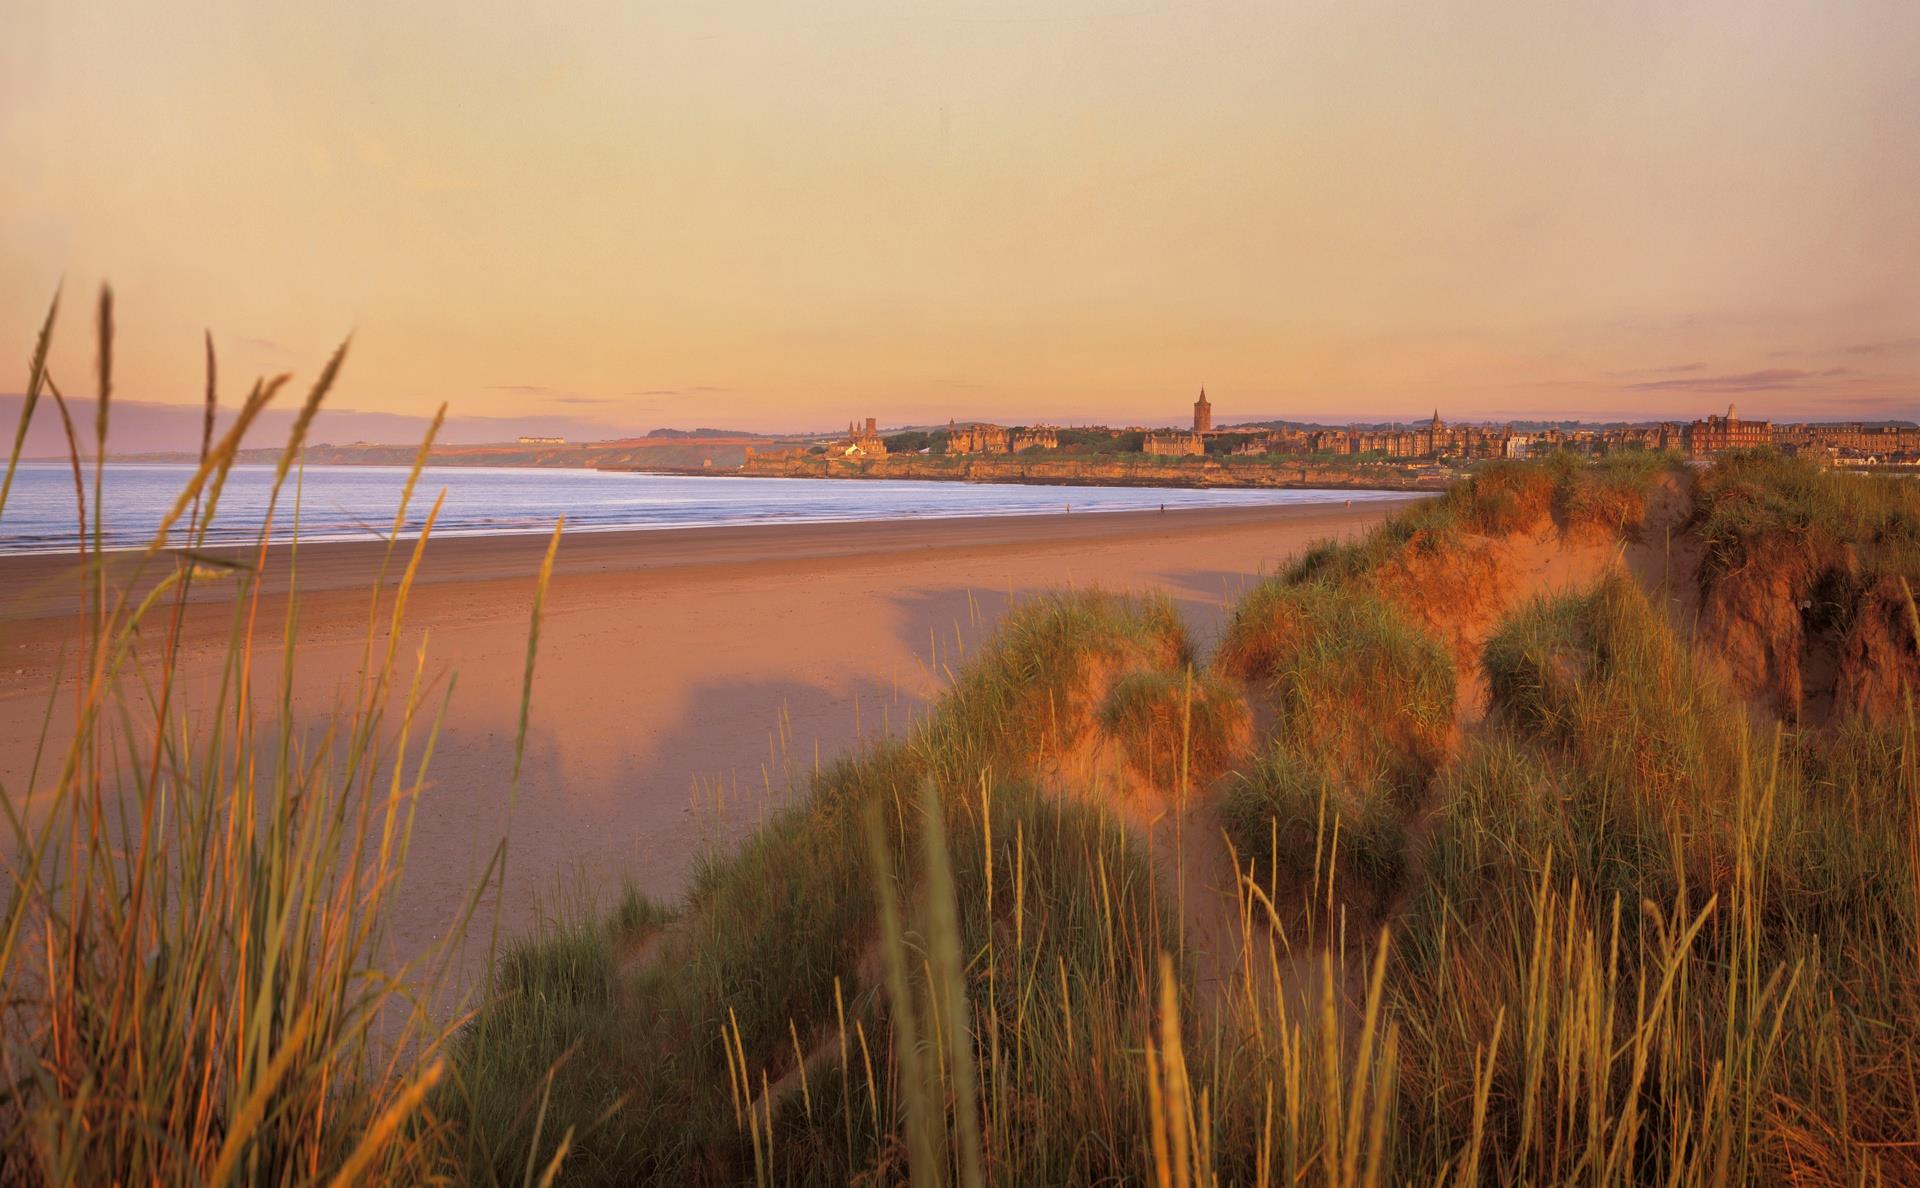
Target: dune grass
{"type": "Point", "coordinates": [1624, 939]}
{"type": "Point", "coordinates": [1750, 497]}
{"type": "Point", "coordinates": [1766, 932]}
{"type": "Point", "coordinates": [198, 982]}
{"type": "Point", "coordinates": [1584, 499]}
{"type": "Point", "coordinates": [1363, 706]}
{"type": "Point", "coordinates": [1179, 730]}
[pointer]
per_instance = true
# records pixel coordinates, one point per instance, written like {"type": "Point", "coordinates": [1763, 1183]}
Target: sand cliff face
{"type": "Point", "coordinates": [1096, 471]}
{"type": "Point", "coordinates": [1880, 654]}
{"type": "Point", "coordinates": [1803, 587]}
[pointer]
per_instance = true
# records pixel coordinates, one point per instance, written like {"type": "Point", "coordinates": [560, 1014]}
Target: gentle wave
{"type": "Point", "coordinates": [358, 502]}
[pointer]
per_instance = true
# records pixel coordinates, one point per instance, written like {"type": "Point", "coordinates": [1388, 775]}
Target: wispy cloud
{"type": "Point", "coordinates": [1670, 369]}
{"type": "Point", "coordinates": [694, 390]}
{"type": "Point", "coordinates": [1887, 347]}
{"type": "Point", "coordinates": [550, 395]}
{"type": "Point", "coordinates": [1898, 402]}
{"type": "Point", "coordinates": [1771, 379]}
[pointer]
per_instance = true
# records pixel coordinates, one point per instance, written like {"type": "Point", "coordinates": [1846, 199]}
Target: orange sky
{"type": "Point", "coordinates": [782, 215]}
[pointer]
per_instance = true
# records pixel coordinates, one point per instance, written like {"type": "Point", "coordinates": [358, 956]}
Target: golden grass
{"type": "Point", "coordinates": [198, 983]}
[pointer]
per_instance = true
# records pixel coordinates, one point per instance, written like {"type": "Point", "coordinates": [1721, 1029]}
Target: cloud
{"type": "Point", "coordinates": [1670, 369]}
{"type": "Point", "coordinates": [1771, 379]}
{"type": "Point", "coordinates": [1899, 402]}
{"type": "Point", "coordinates": [691, 391]}
{"type": "Point", "coordinates": [551, 395]}
{"type": "Point", "coordinates": [1887, 347]}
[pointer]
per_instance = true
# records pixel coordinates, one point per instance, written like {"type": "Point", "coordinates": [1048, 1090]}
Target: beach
{"type": "Point", "coordinates": [686, 679]}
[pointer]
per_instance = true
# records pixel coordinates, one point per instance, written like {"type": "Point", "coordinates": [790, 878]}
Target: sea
{"type": "Point", "coordinates": [359, 502]}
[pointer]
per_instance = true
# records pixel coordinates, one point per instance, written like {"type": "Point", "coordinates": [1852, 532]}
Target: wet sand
{"type": "Point", "coordinates": [683, 676]}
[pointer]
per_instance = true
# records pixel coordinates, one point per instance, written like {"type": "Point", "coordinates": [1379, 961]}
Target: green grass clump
{"type": "Point", "coordinates": [1363, 706]}
{"type": "Point", "coordinates": [1431, 527]}
{"type": "Point", "coordinates": [1352, 682]}
{"type": "Point", "coordinates": [1753, 500]}
{"type": "Point", "coordinates": [1444, 560]}
{"type": "Point", "coordinates": [1601, 679]}
{"type": "Point", "coordinates": [1035, 691]}
{"type": "Point", "coordinates": [1607, 499]}
{"type": "Point", "coordinates": [1601, 498]}
{"type": "Point", "coordinates": [1179, 730]}
{"type": "Point", "coordinates": [1505, 497]}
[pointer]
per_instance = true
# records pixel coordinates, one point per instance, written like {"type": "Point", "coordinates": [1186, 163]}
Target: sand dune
{"type": "Point", "coordinates": [682, 677]}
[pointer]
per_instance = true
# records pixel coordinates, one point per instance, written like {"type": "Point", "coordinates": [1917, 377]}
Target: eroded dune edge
{"type": "Point", "coordinates": [1562, 827]}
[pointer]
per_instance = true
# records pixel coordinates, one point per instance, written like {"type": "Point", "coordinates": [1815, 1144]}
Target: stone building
{"type": "Point", "coordinates": [1174, 444]}
{"type": "Point", "coordinates": [1258, 443]}
{"type": "Point", "coordinates": [1338, 442]}
{"type": "Point", "coordinates": [1433, 438]}
{"type": "Point", "coordinates": [864, 441]}
{"type": "Point", "coordinates": [1036, 437]}
{"type": "Point", "coordinates": [1202, 414]}
{"type": "Point", "coordinates": [978, 439]}
{"type": "Point", "coordinates": [1715, 434]}
{"type": "Point", "coordinates": [1879, 443]}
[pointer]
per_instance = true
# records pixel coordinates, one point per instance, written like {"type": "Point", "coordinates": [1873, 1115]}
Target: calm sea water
{"type": "Point", "coordinates": [358, 502]}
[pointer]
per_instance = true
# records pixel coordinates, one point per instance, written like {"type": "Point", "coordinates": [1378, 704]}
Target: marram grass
{"type": "Point", "coordinates": [199, 987]}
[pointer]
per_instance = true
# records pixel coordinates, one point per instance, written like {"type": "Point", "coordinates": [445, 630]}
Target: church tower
{"type": "Point", "coordinates": [1202, 414]}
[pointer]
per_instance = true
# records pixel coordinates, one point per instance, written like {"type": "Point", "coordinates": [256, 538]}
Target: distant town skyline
{"type": "Point", "coordinates": [601, 218]}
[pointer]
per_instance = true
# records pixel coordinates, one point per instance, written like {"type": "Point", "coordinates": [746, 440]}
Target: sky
{"type": "Point", "coordinates": [610, 215]}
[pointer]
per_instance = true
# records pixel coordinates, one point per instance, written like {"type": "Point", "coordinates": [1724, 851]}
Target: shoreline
{"type": "Point", "coordinates": [686, 684]}
{"type": "Point", "coordinates": [39, 585]}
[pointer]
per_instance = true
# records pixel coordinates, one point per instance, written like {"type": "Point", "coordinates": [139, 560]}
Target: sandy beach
{"type": "Point", "coordinates": [683, 677]}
